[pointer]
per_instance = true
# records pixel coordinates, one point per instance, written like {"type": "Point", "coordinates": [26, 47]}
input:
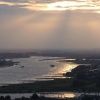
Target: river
{"type": "Point", "coordinates": [33, 69]}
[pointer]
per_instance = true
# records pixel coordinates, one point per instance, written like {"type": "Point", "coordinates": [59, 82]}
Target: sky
{"type": "Point", "coordinates": [50, 24]}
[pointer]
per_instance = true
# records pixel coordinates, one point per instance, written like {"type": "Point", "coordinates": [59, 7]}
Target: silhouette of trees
{"type": "Point", "coordinates": [2, 98]}
{"type": "Point", "coordinates": [81, 76]}
{"type": "Point", "coordinates": [23, 98]}
{"type": "Point", "coordinates": [34, 96]}
{"type": "Point", "coordinates": [7, 97]}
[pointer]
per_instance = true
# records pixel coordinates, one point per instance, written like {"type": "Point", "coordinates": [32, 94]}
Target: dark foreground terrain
{"type": "Point", "coordinates": [37, 97]}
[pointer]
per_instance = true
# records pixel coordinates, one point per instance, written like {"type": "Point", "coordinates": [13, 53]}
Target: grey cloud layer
{"type": "Point", "coordinates": [26, 29]}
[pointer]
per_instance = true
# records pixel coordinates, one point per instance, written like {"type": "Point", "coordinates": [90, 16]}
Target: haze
{"type": "Point", "coordinates": [49, 24]}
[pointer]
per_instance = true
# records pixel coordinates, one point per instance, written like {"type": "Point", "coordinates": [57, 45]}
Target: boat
{"type": "Point", "coordinates": [52, 65]}
{"type": "Point", "coordinates": [22, 67]}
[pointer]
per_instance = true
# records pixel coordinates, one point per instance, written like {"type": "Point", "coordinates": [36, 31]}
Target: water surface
{"type": "Point", "coordinates": [34, 69]}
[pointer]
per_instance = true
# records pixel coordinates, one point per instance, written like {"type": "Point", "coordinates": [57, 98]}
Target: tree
{"type": "Point", "coordinates": [2, 98]}
{"type": "Point", "coordinates": [81, 76]}
{"type": "Point", "coordinates": [7, 97]}
{"type": "Point", "coordinates": [34, 96]}
{"type": "Point", "coordinates": [23, 98]}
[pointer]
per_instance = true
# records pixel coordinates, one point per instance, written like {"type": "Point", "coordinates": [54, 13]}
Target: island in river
{"type": "Point", "coordinates": [7, 63]}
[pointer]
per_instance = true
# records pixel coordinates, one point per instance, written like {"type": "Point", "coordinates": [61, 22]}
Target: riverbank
{"type": "Point", "coordinates": [39, 86]}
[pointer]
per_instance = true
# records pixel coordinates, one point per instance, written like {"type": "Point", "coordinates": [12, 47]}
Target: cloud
{"type": "Point", "coordinates": [58, 5]}
{"type": "Point", "coordinates": [27, 29]}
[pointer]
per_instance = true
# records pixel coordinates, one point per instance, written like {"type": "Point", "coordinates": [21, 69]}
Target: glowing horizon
{"type": "Point", "coordinates": [57, 6]}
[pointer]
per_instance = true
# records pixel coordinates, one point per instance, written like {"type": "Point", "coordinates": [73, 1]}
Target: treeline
{"type": "Point", "coordinates": [8, 97]}
{"type": "Point", "coordinates": [5, 98]}
{"type": "Point", "coordinates": [52, 53]}
{"type": "Point", "coordinates": [85, 78]}
{"type": "Point", "coordinates": [33, 97]}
